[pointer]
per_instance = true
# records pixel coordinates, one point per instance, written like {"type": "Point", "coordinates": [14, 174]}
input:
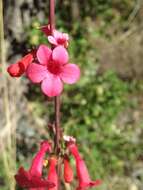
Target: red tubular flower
{"type": "Point", "coordinates": [68, 172]}
{"type": "Point", "coordinates": [33, 177]}
{"type": "Point", "coordinates": [15, 70]}
{"type": "Point", "coordinates": [19, 68]}
{"type": "Point", "coordinates": [82, 171]}
{"type": "Point", "coordinates": [52, 174]}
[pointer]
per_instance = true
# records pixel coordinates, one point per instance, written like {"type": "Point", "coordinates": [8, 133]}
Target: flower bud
{"type": "Point", "coordinates": [19, 68]}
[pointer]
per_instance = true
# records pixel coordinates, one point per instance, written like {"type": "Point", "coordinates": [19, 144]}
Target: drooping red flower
{"type": "Point", "coordinates": [57, 38]}
{"type": "Point", "coordinates": [52, 174]}
{"type": "Point", "coordinates": [52, 70]}
{"type": "Point", "coordinates": [82, 171]}
{"type": "Point", "coordinates": [68, 172]}
{"type": "Point", "coordinates": [17, 69]}
{"type": "Point", "coordinates": [33, 177]}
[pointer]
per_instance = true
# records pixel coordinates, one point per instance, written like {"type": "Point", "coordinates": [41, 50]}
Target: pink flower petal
{"type": "Point", "coordinates": [43, 54]}
{"type": "Point", "coordinates": [52, 40]}
{"type": "Point", "coordinates": [36, 72]}
{"type": "Point", "coordinates": [52, 85]}
{"type": "Point", "coordinates": [70, 73]}
{"type": "Point", "coordinates": [57, 34]}
{"type": "Point", "coordinates": [60, 55]}
{"type": "Point", "coordinates": [66, 36]}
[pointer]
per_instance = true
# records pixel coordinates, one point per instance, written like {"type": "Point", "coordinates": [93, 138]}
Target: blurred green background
{"type": "Point", "coordinates": [104, 109]}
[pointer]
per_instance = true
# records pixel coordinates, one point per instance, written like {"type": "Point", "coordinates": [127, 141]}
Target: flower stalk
{"type": "Point", "coordinates": [56, 99]}
{"type": "Point", "coordinates": [57, 124]}
{"type": "Point", "coordinates": [51, 68]}
{"type": "Point", "coordinates": [52, 15]}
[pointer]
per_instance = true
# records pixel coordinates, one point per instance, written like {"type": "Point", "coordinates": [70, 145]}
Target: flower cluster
{"type": "Point", "coordinates": [33, 179]}
{"type": "Point", "coordinates": [48, 66]}
{"type": "Point", "coordinates": [84, 180]}
{"type": "Point", "coordinates": [51, 68]}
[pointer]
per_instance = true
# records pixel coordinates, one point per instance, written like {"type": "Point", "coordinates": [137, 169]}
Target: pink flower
{"type": "Point", "coordinates": [68, 172]}
{"type": "Point", "coordinates": [82, 171]}
{"type": "Point", "coordinates": [32, 179]}
{"type": "Point", "coordinates": [19, 68]}
{"type": "Point", "coordinates": [52, 70]}
{"type": "Point", "coordinates": [57, 38]}
{"type": "Point", "coordinates": [52, 174]}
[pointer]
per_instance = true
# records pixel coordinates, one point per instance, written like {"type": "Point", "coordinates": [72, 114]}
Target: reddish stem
{"type": "Point", "coordinates": [52, 15]}
{"type": "Point", "coordinates": [57, 124]}
{"type": "Point", "coordinates": [56, 100]}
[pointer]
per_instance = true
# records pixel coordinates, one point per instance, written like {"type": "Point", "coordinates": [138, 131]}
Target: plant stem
{"type": "Point", "coordinates": [52, 15]}
{"type": "Point", "coordinates": [57, 123]}
{"type": "Point", "coordinates": [56, 100]}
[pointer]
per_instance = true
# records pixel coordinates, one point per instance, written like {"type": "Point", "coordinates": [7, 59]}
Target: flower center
{"type": "Point", "coordinates": [61, 41]}
{"type": "Point", "coordinates": [54, 67]}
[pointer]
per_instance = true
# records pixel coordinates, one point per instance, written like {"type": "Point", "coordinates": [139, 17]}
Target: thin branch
{"type": "Point", "coordinates": [8, 149]}
{"type": "Point", "coordinates": [3, 64]}
{"type": "Point", "coordinates": [135, 11]}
